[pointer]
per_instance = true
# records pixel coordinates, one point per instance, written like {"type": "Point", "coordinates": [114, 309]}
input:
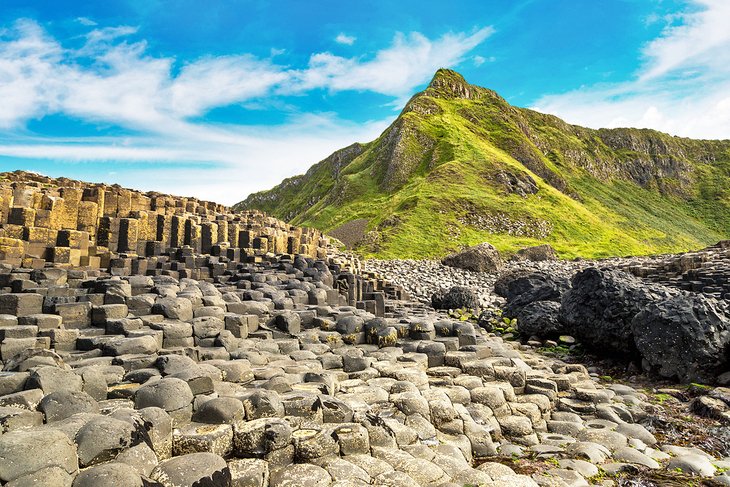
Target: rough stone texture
{"type": "Point", "coordinates": [600, 306]}
{"type": "Point", "coordinates": [237, 366]}
{"type": "Point", "coordinates": [25, 452]}
{"type": "Point", "coordinates": [203, 469]}
{"type": "Point", "coordinates": [479, 258]}
{"type": "Point", "coordinates": [455, 298]}
{"type": "Point", "coordinates": [691, 324]}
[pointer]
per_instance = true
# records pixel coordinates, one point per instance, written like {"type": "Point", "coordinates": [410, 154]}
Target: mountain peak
{"type": "Point", "coordinates": [447, 83]}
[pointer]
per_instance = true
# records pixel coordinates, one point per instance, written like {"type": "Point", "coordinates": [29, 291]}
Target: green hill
{"type": "Point", "coordinates": [460, 166]}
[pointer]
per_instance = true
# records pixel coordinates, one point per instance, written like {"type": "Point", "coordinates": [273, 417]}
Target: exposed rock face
{"type": "Point", "coordinates": [480, 258]}
{"type": "Point", "coordinates": [600, 306]}
{"type": "Point", "coordinates": [684, 336]}
{"type": "Point", "coordinates": [540, 318]}
{"type": "Point", "coordinates": [455, 298]}
{"type": "Point", "coordinates": [524, 287]}
{"type": "Point", "coordinates": [611, 312]}
{"type": "Point", "coordinates": [538, 253]}
{"type": "Point", "coordinates": [62, 221]}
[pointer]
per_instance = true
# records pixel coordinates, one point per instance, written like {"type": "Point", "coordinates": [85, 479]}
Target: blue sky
{"type": "Point", "coordinates": [218, 99]}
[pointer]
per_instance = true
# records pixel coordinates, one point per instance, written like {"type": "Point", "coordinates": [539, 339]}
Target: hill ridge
{"type": "Point", "coordinates": [480, 169]}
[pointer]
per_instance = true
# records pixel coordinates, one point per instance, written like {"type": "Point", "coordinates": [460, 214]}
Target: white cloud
{"type": "Point", "coordinates": [698, 41]}
{"type": "Point", "coordinates": [112, 79]}
{"type": "Point", "coordinates": [682, 88]}
{"type": "Point", "coordinates": [85, 21]}
{"type": "Point", "coordinates": [343, 38]}
{"type": "Point", "coordinates": [246, 159]}
{"type": "Point", "coordinates": [408, 62]}
{"type": "Point", "coordinates": [220, 81]}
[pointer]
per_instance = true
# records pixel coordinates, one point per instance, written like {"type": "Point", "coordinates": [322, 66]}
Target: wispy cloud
{"type": "Point", "coordinates": [112, 79]}
{"type": "Point", "coordinates": [682, 87]}
{"type": "Point", "coordinates": [396, 70]}
{"type": "Point", "coordinates": [85, 21]}
{"type": "Point", "coordinates": [343, 38]}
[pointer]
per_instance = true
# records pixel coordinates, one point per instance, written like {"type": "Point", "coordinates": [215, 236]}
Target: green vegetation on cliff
{"type": "Point", "coordinates": [460, 166]}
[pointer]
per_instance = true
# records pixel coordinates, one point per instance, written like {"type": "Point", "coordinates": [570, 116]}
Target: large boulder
{"type": "Point", "coordinates": [523, 288]}
{"type": "Point", "coordinates": [455, 298]}
{"type": "Point", "coordinates": [480, 258]}
{"type": "Point", "coordinates": [537, 253]}
{"type": "Point", "coordinates": [599, 308]}
{"type": "Point", "coordinates": [685, 337]}
{"type": "Point", "coordinates": [540, 318]}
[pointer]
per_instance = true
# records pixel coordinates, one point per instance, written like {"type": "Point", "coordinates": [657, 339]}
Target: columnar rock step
{"type": "Point", "coordinates": [265, 377]}
{"type": "Point", "coordinates": [706, 271]}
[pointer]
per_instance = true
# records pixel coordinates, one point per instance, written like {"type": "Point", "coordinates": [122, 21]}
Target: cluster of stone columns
{"type": "Point", "coordinates": [61, 221]}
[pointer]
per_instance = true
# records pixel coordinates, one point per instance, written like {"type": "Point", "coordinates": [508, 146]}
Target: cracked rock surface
{"type": "Point", "coordinates": [270, 375]}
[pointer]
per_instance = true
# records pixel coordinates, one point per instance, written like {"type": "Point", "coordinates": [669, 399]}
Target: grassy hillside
{"type": "Point", "coordinates": [461, 166]}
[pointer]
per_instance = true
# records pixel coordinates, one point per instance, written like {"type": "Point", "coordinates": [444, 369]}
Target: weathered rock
{"type": "Point", "coordinates": [455, 298]}
{"type": "Point", "coordinates": [479, 258]}
{"type": "Point", "coordinates": [540, 318]}
{"type": "Point", "coordinates": [600, 306]}
{"type": "Point", "coordinates": [26, 451]}
{"type": "Point", "coordinates": [168, 393]}
{"type": "Point", "coordinates": [538, 253]}
{"type": "Point", "coordinates": [692, 324]}
{"type": "Point", "coordinates": [111, 474]}
{"type": "Point", "coordinates": [61, 404]}
{"type": "Point", "coordinates": [194, 469]}
{"type": "Point", "coordinates": [102, 438]}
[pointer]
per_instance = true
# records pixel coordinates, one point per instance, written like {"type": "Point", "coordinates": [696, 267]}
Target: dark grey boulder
{"type": "Point", "coordinates": [102, 438]}
{"type": "Point", "coordinates": [47, 477]}
{"type": "Point", "coordinates": [600, 306]}
{"type": "Point", "coordinates": [168, 393]}
{"type": "Point", "coordinates": [174, 308]}
{"type": "Point", "coordinates": [685, 337]}
{"type": "Point", "coordinates": [479, 258]}
{"type": "Point", "coordinates": [455, 298]}
{"type": "Point", "coordinates": [173, 364]}
{"type": "Point", "coordinates": [523, 288]}
{"type": "Point", "coordinates": [287, 321]}
{"type": "Point", "coordinates": [540, 318]}
{"type": "Point", "coordinates": [350, 324]}
{"type": "Point", "coordinates": [51, 379]}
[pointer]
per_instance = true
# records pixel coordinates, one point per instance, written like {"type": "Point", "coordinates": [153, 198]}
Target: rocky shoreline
{"type": "Point", "coordinates": [267, 375]}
